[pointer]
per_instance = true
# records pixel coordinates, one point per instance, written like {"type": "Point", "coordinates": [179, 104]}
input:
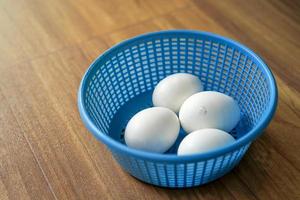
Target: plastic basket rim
{"type": "Point", "coordinates": [121, 148]}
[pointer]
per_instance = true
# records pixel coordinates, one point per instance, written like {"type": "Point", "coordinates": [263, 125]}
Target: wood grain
{"type": "Point", "coordinates": [46, 46]}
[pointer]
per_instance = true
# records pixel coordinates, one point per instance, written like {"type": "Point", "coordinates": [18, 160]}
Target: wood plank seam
{"type": "Point", "coordinates": [31, 149]}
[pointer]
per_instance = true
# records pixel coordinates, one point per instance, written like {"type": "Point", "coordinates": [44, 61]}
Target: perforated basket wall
{"type": "Point", "coordinates": [120, 82]}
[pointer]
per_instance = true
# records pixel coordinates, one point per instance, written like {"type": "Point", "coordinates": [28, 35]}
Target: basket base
{"type": "Point", "coordinates": [180, 186]}
{"type": "Point", "coordinates": [168, 175]}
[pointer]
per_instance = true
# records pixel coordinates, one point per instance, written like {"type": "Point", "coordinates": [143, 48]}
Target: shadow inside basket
{"type": "Point", "coordinates": [143, 101]}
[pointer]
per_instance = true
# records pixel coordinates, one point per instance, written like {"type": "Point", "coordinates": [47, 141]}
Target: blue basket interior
{"type": "Point", "coordinates": [120, 83]}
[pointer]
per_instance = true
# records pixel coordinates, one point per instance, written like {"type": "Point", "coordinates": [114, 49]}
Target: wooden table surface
{"type": "Point", "coordinates": [46, 46]}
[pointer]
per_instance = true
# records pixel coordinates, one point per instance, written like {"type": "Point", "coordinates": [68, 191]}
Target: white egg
{"type": "Point", "coordinates": [209, 109]}
{"type": "Point", "coordinates": [204, 140]}
{"type": "Point", "coordinates": [173, 90]}
{"type": "Point", "coordinates": [153, 129]}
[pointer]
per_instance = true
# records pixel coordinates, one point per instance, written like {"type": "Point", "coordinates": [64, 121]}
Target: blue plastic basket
{"type": "Point", "coordinates": [120, 82]}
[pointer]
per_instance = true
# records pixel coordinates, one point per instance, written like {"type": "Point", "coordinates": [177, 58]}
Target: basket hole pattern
{"type": "Point", "coordinates": [182, 174]}
{"type": "Point", "coordinates": [138, 68]}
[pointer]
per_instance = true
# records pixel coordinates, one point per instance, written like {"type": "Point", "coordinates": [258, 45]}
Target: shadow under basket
{"type": "Point", "coordinates": [120, 82]}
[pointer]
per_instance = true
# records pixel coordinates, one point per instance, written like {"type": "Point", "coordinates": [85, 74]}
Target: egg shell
{"type": "Point", "coordinates": [209, 109]}
{"type": "Point", "coordinates": [203, 141]}
{"type": "Point", "coordinates": [173, 90]}
{"type": "Point", "coordinates": [154, 130]}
